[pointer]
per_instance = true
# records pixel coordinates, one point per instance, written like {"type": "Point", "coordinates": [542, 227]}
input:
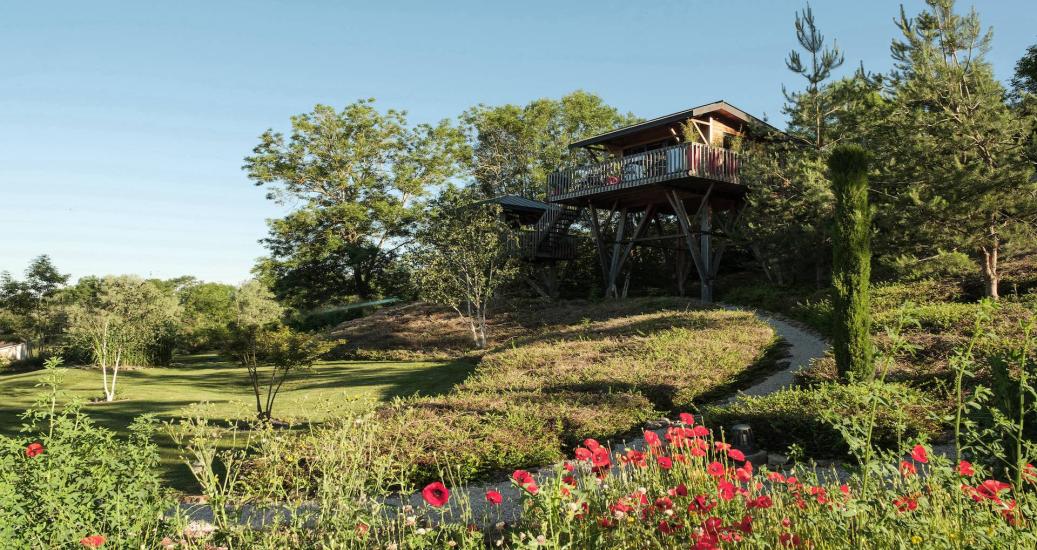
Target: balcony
{"type": "Point", "coordinates": [679, 162]}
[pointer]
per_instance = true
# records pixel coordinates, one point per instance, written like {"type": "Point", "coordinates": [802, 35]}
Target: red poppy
{"type": "Point", "coordinates": [789, 539]}
{"type": "Point", "coordinates": [93, 541]}
{"type": "Point", "coordinates": [776, 476]}
{"type": "Point", "coordinates": [991, 489]}
{"type": "Point", "coordinates": [436, 494]}
{"type": "Point", "coordinates": [652, 439]}
{"type": "Point", "coordinates": [34, 449]}
{"type": "Point", "coordinates": [591, 444]}
{"type": "Point", "coordinates": [583, 453]}
{"type": "Point", "coordinates": [844, 489]}
{"type": "Point", "coordinates": [668, 528]}
{"type": "Point", "coordinates": [687, 419]}
{"type": "Point", "coordinates": [637, 458]}
{"type": "Point", "coordinates": [725, 490]}
{"type": "Point", "coordinates": [665, 462]}
{"type": "Point", "coordinates": [721, 446]}
{"type": "Point", "coordinates": [745, 526]}
{"type": "Point", "coordinates": [1030, 473]}
{"type": "Point", "coordinates": [907, 469]}
{"type": "Point", "coordinates": [569, 467]}
{"type": "Point", "coordinates": [763, 502]}
{"type": "Point", "coordinates": [493, 497]}
{"type": "Point", "coordinates": [918, 453]}
{"type": "Point", "coordinates": [712, 525]}
{"type": "Point", "coordinates": [526, 481]}
{"type": "Point", "coordinates": [700, 431]}
{"type": "Point", "coordinates": [715, 469]}
{"type": "Point", "coordinates": [906, 504]}
{"type": "Point", "coordinates": [601, 458]}
{"type": "Point", "coordinates": [965, 468]}
{"type": "Point", "coordinates": [701, 504]}
{"type": "Point", "coordinates": [664, 503]}
{"type": "Point", "coordinates": [569, 480]}
{"type": "Point", "coordinates": [678, 491]}
{"type": "Point", "coordinates": [737, 455]}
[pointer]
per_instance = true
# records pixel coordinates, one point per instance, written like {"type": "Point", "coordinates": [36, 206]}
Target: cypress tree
{"type": "Point", "coordinates": [851, 264]}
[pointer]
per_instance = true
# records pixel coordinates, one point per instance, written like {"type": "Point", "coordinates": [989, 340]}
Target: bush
{"type": "Point", "coordinates": [943, 266]}
{"type": "Point", "coordinates": [795, 416]}
{"type": "Point", "coordinates": [65, 478]}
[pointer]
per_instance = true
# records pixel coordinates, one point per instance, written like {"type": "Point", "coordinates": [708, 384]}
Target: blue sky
{"type": "Point", "coordinates": [123, 125]}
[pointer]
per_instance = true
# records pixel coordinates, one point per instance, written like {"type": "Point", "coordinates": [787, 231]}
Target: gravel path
{"type": "Point", "coordinates": [804, 346]}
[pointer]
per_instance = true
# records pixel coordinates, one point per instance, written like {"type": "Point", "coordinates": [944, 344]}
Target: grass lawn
{"type": "Point", "coordinates": [169, 392]}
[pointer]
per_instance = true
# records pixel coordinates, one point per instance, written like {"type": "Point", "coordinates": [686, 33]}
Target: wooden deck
{"type": "Point", "coordinates": [690, 167]}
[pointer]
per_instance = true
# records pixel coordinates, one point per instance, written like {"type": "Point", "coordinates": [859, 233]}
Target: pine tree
{"type": "Point", "coordinates": [851, 263]}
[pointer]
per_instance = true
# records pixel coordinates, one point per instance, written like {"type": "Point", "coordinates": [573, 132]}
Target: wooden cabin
{"type": "Point", "coordinates": [681, 166]}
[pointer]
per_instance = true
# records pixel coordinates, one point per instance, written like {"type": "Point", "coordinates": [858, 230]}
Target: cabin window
{"type": "Point", "coordinates": [647, 147]}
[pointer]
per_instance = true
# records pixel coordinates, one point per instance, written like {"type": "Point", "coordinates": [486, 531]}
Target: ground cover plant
{"type": "Point", "coordinates": [565, 371]}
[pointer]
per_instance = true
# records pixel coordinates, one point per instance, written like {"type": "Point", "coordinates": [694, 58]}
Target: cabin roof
{"type": "Point", "coordinates": [720, 106]}
{"type": "Point", "coordinates": [516, 202]}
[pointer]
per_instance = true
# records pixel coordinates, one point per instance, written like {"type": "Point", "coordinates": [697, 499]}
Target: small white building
{"type": "Point", "coordinates": [13, 351]}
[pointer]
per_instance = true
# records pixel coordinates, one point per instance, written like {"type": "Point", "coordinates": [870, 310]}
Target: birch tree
{"type": "Point", "coordinates": [117, 320]}
{"type": "Point", "coordinates": [465, 254]}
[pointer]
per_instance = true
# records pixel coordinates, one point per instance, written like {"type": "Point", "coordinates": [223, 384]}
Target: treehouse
{"type": "Point", "coordinates": [543, 237]}
{"type": "Point", "coordinates": [680, 168]}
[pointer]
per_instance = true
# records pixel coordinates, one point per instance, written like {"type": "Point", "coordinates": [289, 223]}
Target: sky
{"type": "Point", "coordinates": [123, 125]}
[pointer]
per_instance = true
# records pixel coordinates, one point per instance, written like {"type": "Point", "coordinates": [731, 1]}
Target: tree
{"type": "Point", "coordinates": [954, 165]}
{"type": "Point", "coordinates": [268, 350]}
{"type": "Point", "coordinates": [1025, 79]}
{"type": "Point", "coordinates": [356, 174]}
{"type": "Point", "coordinates": [118, 319]}
{"type": "Point", "coordinates": [851, 264]}
{"type": "Point", "coordinates": [208, 308]}
{"type": "Point", "coordinates": [465, 254]}
{"type": "Point", "coordinates": [790, 202]}
{"type": "Point", "coordinates": [30, 303]}
{"type": "Point", "coordinates": [514, 148]}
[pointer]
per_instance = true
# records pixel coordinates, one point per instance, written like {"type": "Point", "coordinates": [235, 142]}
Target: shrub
{"type": "Point", "coordinates": [796, 416]}
{"type": "Point", "coordinates": [64, 478]}
{"type": "Point", "coordinates": [944, 266]}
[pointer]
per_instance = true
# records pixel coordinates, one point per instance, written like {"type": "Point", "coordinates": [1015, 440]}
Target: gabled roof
{"type": "Point", "coordinates": [714, 107]}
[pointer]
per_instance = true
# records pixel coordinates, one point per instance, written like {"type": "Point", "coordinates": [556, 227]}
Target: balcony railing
{"type": "Point", "coordinates": [687, 159]}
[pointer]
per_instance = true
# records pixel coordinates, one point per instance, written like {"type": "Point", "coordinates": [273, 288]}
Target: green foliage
{"type": "Point", "coordinates": [85, 480]}
{"type": "Point", "coordinates": [356, 174]}
{"type": "Point", "coordinates": [945, 266]}
{"type": "Point", "coordinates": [29, 308]}
{"type": "Point", "coordinates": [515, 148]}
{"type": "Point", "coordinates": [207, 310]}
{"type": "Point", "coordinates": [851, 264]}
{"type": "Point", "coordinates": [123, 320]}
{"type": "Point", "coordinates": [268, 350]}
{"type": "Point", "coordinates": [1025, 79]}
{"type": "Point", "coordinates": [798, 416]}
{"type": "Point", "coordinates": [947, 104]}
{"type": "Point", "coordinates": [465, 254]}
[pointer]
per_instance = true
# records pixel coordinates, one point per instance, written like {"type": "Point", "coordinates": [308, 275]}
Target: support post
{"type": "Point", "coordinates": [706, 253]}
{"type": "Point", "coordinates": [621, 224]}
